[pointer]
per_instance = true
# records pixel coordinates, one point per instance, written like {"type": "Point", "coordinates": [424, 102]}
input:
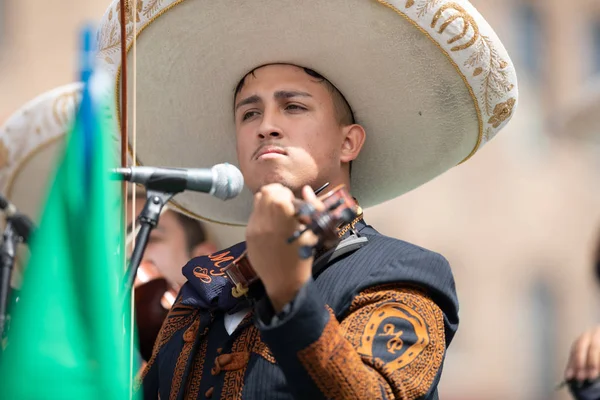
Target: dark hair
{"type": "Point", "coordinates": [193, 230]}
{"type": "Point", "coordinates": [343, 111]}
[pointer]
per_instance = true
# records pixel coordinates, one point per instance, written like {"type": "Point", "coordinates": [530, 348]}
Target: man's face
{"type": "Point", "coordinates": [167, 246]}
{"type": "Point", "coordinates": [286, 128]}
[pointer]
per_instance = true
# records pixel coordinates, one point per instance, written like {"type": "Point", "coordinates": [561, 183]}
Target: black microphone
{"type": "Point", "coordinates": [224, 181]}
{"type": "Point", "coordinates": [20, 222]}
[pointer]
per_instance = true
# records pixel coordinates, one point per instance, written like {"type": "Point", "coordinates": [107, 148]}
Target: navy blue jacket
{"type": "Point", "coordinates": [375, 324]}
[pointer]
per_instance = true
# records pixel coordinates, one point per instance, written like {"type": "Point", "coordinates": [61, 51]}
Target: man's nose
{"type": "Point", "coordinates": [269, 127]}
{"type": "Point", "coordinates": [270, 135]}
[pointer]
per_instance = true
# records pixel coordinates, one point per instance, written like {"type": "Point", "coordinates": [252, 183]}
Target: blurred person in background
{"type": "Point", "coordinates": [175, 239]}
{"type": "Point", "coordinates": [583, 368]}
{"type": "Point", "coordinates": [582, 372]}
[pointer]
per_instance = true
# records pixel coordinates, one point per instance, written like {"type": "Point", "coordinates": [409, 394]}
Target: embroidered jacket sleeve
{"type": "Point", "coordinates": [390, 344]}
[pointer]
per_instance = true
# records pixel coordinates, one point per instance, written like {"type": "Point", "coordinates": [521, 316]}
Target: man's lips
{"type": "Point", "coordinates": [269, 150]}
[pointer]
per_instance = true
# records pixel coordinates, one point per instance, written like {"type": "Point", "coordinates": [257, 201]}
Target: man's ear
{"type": "Point", "coordinates": [354, 139]}
{"type": "Point", "coordinates": [203, 249]}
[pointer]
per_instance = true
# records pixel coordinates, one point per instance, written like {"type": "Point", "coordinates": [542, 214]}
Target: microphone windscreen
{"type": "Point", "coordinates": [229, 181]}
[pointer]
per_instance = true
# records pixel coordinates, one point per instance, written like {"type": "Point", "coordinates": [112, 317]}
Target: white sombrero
{"type": "Point", "coordinates": [428, 79]}
{"type": "Point", "coordinates": [31, 141]}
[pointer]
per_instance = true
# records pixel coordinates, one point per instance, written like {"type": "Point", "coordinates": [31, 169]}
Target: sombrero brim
{"type": "Point", "coordinates": [30, 141]}
{"type": "Point", "coordinates": [429, 80]}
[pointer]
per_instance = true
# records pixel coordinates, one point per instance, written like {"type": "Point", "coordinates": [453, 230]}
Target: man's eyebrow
{"type": "Point", "coordinates": [287, 94]}
{"type": "Point", "coordinates": [279, 95]}
{"type": "Point", "coordinates": [248, 100]}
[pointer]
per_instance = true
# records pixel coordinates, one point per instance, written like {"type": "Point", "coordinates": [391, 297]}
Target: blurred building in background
{"type": "Point", "coordinates": [519, 222]}
{"type": "Point", "coordinates": [38, 46]}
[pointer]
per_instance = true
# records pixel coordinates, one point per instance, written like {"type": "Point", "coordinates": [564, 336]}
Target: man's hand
{"type": "Point", "coordinates": [584, 360]}
{"type": "Point", "coordinates": [275, 261]}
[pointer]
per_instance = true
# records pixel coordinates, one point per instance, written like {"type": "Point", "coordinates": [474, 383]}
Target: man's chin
{"type": "Point", "coordinates": [292, 177]}
{"type": "Point", "coordinates": [281, 177]}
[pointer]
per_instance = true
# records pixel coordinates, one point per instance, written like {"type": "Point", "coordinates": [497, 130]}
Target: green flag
{"type": "Point", "coordinates": [69, 334]}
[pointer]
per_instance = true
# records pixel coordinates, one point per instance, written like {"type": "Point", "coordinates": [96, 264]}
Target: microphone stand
{"type": "Point", "coordinates": [7, 260]}
{"type": "Point", "coordinates": [155, 201]}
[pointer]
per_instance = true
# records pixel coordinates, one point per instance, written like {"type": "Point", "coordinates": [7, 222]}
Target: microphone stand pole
{"type": "Point", "coordinates": [7, 259]}
{"type": "Point", "coordinates": [155, 201]}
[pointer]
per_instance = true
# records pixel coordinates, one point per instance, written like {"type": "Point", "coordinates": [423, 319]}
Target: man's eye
{"type": "Point", "coordinates": [249, 114]}
{"type": "Point", "coordinates": [295, 107]}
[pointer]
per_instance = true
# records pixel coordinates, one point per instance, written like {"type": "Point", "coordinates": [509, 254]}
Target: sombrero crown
{"type": "Point", "coordinates": [428, 79]}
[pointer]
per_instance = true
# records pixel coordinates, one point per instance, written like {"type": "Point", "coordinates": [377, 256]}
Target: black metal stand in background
{"type": "Point", "coordinates": [8, 250]}
{"type": "Point", "coordinates": [155, 201]}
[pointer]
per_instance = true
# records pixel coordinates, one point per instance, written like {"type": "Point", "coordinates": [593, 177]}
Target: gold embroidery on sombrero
{"type": "Point", "coordinates": [61, 106]}
{"type": "Point", "coordinates": [432, 3]}
{"type": "Point", "coordinates": [151, 8]}
{"type": "Point", "coordinates": [426, 7]}
{"type": "Point", "coordinates": [129, 16]}
{"type": "Point", "coordinates": [501, 112]}
{"type": "Point", "coordinates": [109, 39]}
{"type": "Point", "coordinates": [379, 324]}
{"type": "Point", "coordinates": [489, 133]}
{"type": "Point", "coordinates": [484, 60]}
{"type": "Point", "coordinates": [494, 75]}
{"type": "Point", "coordinates": [467, 20]}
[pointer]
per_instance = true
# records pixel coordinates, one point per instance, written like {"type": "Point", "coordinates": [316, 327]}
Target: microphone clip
{"type": "Point", "coordinates": [155, 201]}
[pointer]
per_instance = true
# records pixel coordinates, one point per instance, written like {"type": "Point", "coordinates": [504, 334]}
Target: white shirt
{"type": "Point", "coordinates": [232, 321]}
